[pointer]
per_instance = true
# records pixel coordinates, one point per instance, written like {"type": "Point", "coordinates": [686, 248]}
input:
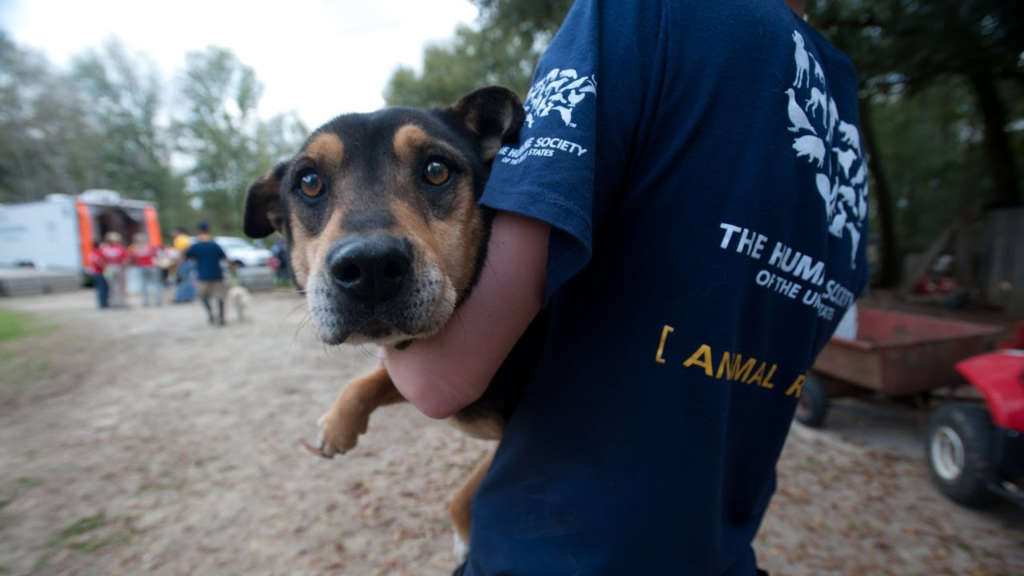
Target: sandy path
{"type": "Point", "coordinates": [176, 453]}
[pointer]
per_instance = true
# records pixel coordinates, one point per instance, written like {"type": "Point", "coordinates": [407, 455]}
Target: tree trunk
{"type": "Point", "coordinates": [997, 143]}
{"type": "Point", "coordinates": [889, 274]}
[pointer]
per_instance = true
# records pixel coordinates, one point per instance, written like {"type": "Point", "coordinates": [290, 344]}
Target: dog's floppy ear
{"type": "Point", "coordinates": [493, 114]}
{"type": "Point", "coordinates": [262, 213]}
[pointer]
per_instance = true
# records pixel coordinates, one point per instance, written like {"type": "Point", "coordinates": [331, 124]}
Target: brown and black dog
{"type": "Point", "coordinates": [386, 238]}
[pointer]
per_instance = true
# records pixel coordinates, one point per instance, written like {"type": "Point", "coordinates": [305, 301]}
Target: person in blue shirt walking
{"type": "Point", "coordinates": [688, 199]}
{"type": "Point", "coordinates": [208, 256]}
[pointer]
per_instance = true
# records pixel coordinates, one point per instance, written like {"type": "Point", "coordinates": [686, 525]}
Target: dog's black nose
{"type": "Point", "coordinates": [371, 268]}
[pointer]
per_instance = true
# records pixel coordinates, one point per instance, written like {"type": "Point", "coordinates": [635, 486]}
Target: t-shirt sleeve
{"type": "Point", "coordinates": [555, 171]}
{"type": "Point", "coordinates": [190, 253]}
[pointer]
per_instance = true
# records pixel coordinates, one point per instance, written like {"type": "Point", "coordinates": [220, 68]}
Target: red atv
{"type": "Point", "coordinates": [976, 455]}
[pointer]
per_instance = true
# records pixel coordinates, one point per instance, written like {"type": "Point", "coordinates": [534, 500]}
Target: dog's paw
{"type": "Point", "coordinates": [460, 548]}
{"type": "Point", "coordinates": [338, 433]}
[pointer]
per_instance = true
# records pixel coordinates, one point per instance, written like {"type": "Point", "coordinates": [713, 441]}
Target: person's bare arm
{"type": "Point", "coordinates": [451, 369]}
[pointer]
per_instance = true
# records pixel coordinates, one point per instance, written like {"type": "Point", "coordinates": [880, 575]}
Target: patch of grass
{"type": "Point", "coordinates": [82, 525]}
{"type": "Point", "coordinates": [90, 546]}
{"type": "Point", "coordinates": [29, 482]}
{"type": "Point", "coordinates": [81, 535]}
{"type": "Point", "coordinates": [162, 482]}
{"type": "Point", "coordinates": [14, 325]}
{"type": "Point", "coordinates": [41, 562]}
{"type": "Point", "coordinates": [21, 365]}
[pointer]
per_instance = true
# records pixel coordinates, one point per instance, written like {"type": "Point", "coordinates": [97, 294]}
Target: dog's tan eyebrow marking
{"type": "Point", "coordinates": [410, 138]}
{"type": "Point", "coordinates": [407, 140]}
{"type": "Point", "coordinates": [326, 149]}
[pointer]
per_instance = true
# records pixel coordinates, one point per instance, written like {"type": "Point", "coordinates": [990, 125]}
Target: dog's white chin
{"type": "Point", "coordinates": [432, 315]}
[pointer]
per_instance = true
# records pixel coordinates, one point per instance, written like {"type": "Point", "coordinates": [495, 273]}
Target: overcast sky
{"type": "Point", "coordinates": [319, 58]}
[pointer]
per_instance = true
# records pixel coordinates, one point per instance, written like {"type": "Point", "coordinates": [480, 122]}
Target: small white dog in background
{"type": "Point", "coordinates": [239, 299]}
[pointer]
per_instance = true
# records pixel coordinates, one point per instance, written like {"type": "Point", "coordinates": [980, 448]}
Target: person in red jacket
{"type": "Point", "coordinates": [94, 268]}
{"type": "Point", "coordinates": [144, 256]}
{"type": "Point", "coordinates": [115, 256]}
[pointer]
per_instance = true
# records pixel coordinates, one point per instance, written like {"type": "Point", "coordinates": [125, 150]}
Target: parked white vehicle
{"type": "Point", "coordinates": [241, 252]}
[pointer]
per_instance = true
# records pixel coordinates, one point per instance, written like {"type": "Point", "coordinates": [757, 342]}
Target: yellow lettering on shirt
{"type": "Point", "coordinates": [797, 386]}
{"type": "Point", "coordinates": [702, 357]}
{"type": "Point", "coordinates": [661, 345]}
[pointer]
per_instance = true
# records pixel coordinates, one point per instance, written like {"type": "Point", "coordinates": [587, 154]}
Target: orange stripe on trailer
{"type": "Point", "coordinates": [84, 231]}
{"type": "Point", "coordinates": [153, 227]}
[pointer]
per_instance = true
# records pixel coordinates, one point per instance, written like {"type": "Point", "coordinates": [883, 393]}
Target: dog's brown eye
{"type": "Point", "coordinates": [311, 185]}
{"type": "Point", "coordinates": [436, 173]}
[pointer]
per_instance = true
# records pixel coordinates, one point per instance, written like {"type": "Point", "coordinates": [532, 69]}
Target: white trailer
{"type": "Point", "coordinates": [45, 245]}
{"type": "Point", "coordinates": [61, 231]}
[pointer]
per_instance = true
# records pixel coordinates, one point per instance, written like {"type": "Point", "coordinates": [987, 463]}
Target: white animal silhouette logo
{"type": "Point", "coordinates": [838, 222]}
{"type": "Point", "coordinates": [810, 146]}
{"type": "Point", "coordinates": [828, 194]}
{"type": "Point", "coordinates": [854, 242]}
{"type": "Point", "coordinates": [849, 196]}
{"type": "Point", "coordinates": [845, 158]}
{"type": "Point", "coordinates": [818, 73]}
{"type": "Point", "coordinates": [844, 198]}
{"type": "Point", "coordinates": [561, 91]}
{"type": "Point", "coordinates": [861, 175]}
{"type": "Point", "coordinates": [816, 101]}
{"type": "Point", "coordinates": [850, 134]}
{"type": "Point", "coordinates": [833, 117]}
{"type": "Point", "coordinates": [796, 115]}
{"type": "Point", "coordinates": [802, 61]}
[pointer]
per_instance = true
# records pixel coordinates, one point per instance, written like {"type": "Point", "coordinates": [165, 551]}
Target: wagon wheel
{"type": "Point", "coordinates": [960, 453]}
{"type": "Point", "coordinates": [812, 407]}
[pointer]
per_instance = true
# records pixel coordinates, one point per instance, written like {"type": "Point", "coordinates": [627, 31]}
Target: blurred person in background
{"type": "Point", "coordinates": [184, 287]}
{"type": "Point", "coordinates": [116, 258]}
{"type": "Point", "coordinates": [208, 256]}
{"type": "Point", "coordinates": [144, 255]}
{"type": "Point", "coordinates": [280, 251]}
{"type": "Point", "coordinates": [94, 268]}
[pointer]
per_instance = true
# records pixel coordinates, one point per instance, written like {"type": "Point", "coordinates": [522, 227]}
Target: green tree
{"type": "Point", "coordinates": [535, 21]}
{"type": "Point", "coordinates": [228, 145]}
{"type": "Point", "coordinates": [945, 74]}
{"type": "Point", "coordinates": [504, 50]}
{"type": "Point", "coordinates": [46, 144]}
{"type": "Point", "coordinates": [471, 60]}
{"type": "Point", "coordinates": [135, 152]}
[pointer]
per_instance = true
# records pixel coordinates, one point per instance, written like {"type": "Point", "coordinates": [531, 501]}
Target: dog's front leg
{"type": "Point", "coordinates": [460, 506]}
{"type": "Point", "coordinates": [341, 426]}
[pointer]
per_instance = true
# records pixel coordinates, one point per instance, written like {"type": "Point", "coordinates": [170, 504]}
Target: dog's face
{"type": "Point", "coordinates": [381, 217]}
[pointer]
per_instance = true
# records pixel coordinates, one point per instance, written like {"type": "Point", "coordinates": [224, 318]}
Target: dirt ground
{"type": "Point", "coordinates": [146, 442]}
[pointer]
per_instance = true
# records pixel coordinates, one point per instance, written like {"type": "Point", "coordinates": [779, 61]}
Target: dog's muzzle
{"type": "Point", "coordinates": [370, 269]}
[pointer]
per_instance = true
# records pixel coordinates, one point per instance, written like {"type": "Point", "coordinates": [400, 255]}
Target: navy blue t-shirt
{"type": "Point", "coordinates": [701, 167]}
{"type": "Point", "coordinates": [207, 255]}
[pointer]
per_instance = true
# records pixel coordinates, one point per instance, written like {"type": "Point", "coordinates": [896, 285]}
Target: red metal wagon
{"type": "Point", "coordinates": [975, 450]}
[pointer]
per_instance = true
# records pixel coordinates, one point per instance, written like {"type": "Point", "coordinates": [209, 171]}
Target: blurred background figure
{"type": "Point", "coordinates": [94, 268]}
{"type": "Point", "coordinates": [115, 256]}
{"type": "Point", "coordinates": [144, 255]}
{"type": "Point", "coordinates": [184, 288]}
{"type": "Point", "coordinates": [280, 262]}
{"type": "Point", "coordinates": [209, 256]}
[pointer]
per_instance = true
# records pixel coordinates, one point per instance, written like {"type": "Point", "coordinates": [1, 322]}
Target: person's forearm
{"type": "Point", "coordinates": [451, 369]}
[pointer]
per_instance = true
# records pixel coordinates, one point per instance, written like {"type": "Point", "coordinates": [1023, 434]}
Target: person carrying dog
{"type": "Point", "coordinates": [208, 256]}
{"type": "Point", "coordinates": [671, 200]}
